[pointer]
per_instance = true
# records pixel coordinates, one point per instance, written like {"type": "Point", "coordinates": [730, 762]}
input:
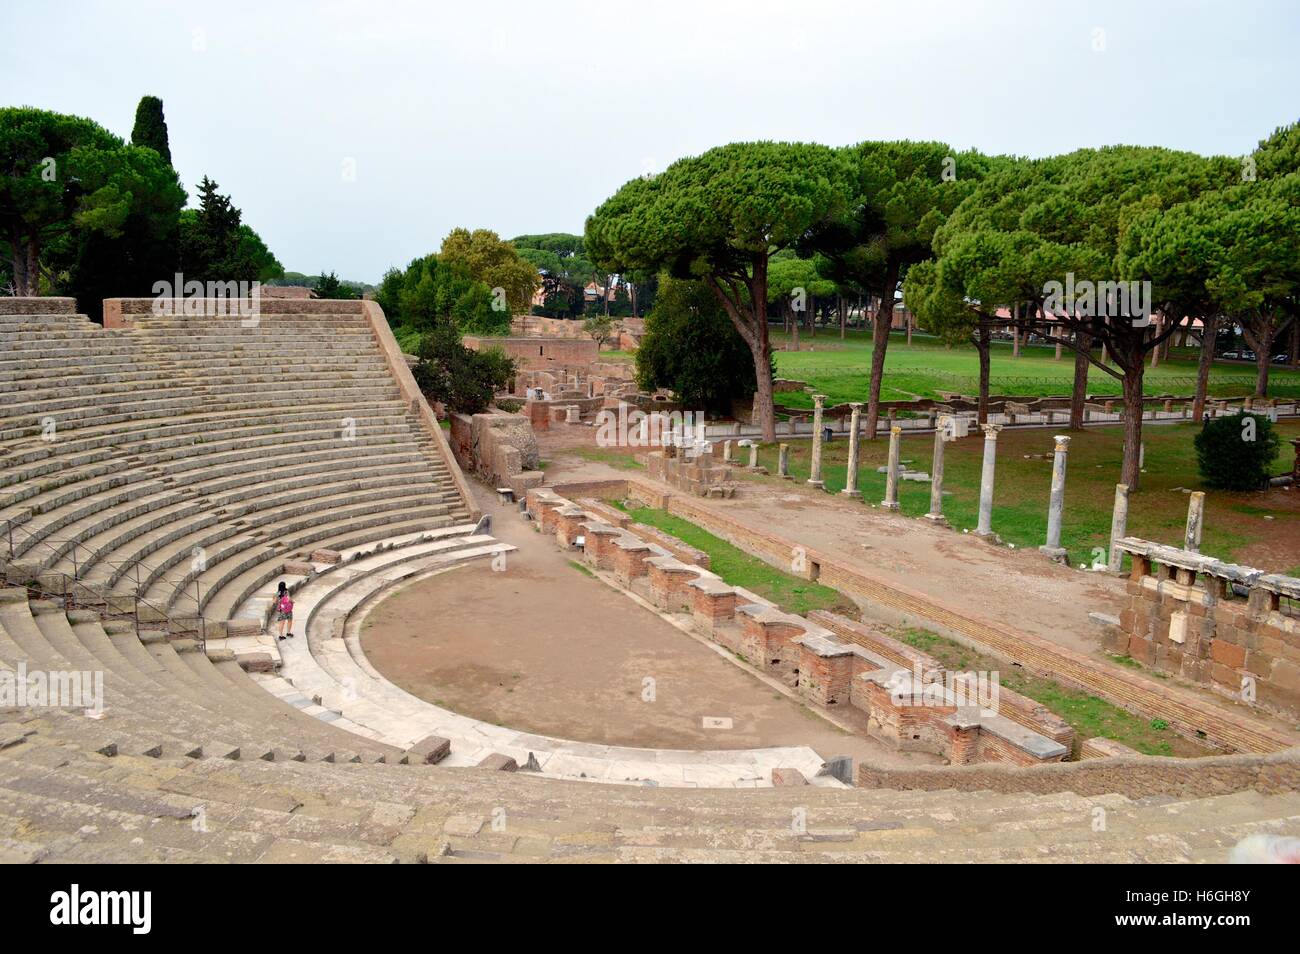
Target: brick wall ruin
{"type": "Point", "coordinates": [1231, 628]}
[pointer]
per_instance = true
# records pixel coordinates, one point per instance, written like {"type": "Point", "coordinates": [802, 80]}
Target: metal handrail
{"type": "Point", "coordinates": [173, 622]}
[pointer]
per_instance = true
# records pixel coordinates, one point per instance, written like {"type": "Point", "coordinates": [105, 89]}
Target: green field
{"type": "Point", "coordinates": [842, 370]}
{"type": "Point", "coordinates": [1237, 525]}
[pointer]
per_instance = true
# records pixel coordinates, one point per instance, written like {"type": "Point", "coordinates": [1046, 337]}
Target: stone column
{"type": "Point", "coordinates": [985, 528]}
{"type": "Point", "coordinates": [783, 462]}
{"type": "Point", "coordinates": [815, 477]}
{"type": "Point", "coordinates": [936, 475]}
{"type": "Point", "coordinates": [891, 473]}
{"type": "Point", "coordinates": [753, 455]}
{"type": "Point", "coordinates": [1195, 519]}
{"type": "Point", "coordinates": [851, 480]}
{"type": "Point", "coordinates": [1056, 505]}
{"type": "Point", "coordinates": [726, 451]}
{"type": "Point", "coordinates": [1118, 528]}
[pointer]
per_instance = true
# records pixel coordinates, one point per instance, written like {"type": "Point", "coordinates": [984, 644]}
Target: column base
{"type": "Point", "coordinates": [937, 518]}
{"type": "Point", "coordinates": [819, 484]}
{"type": "Point", "coordinates": [1058, 554]}
{"type": "Point", "coordinates": [855, 494]}
{"type": "Point", "coordinates": [887, 505]}
{"type": "Point", "coordinates": [786, 476]}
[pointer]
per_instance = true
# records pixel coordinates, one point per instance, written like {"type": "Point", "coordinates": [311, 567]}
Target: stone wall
{"type": "Point", "coordinates": [699, 475]}
{"type": "Point", "coordinates": [1190, 716]}
{"type": "Point", "coordinates": [1132, 777]}
{"type": "Point", "coordinates": [1185, 615]}
{"type": "Point", "coordinates": [537, 353]}
{"type": "Point", "coordinates": [499, 448]}
{"type": "Point", "coordinates": [45, 305]}
{"type": "Point", "coordinates": [120, 312]}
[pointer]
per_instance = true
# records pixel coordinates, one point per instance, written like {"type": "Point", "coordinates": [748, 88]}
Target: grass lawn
{"type": "Point", "coordinates": [842, 371]}
{"type": "Point", "coordinates": [1089, 715]}
{"type": "Point", "coordinates": [736, 567]}
{"type": "Point", "coordinates": [1236, 527]}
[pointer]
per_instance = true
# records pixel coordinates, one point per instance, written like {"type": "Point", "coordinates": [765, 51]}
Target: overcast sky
{"type": "Point", "coordinates": [522, 117]}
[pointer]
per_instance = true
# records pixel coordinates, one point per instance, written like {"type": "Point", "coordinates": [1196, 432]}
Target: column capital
{"type": "Point", "coordinates": [857, 406]}
{"type": "Point", "coordinates": [990, 431]}
{"type": "Point", "coordinates": [1062, 443]}
{"type": "Point", "coordinates": [895, 430]}
{"type": "Point", "coordinates": [819, 400]}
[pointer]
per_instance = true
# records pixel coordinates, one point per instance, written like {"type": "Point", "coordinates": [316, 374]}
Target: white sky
{"type": "Point", "coordinates": [522, 117]}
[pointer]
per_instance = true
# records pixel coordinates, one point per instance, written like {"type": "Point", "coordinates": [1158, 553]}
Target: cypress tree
{"type": "Point", "coordinates": [151, 128]}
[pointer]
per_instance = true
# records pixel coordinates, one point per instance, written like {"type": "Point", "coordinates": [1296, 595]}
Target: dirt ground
{"type": "Point", "coordinates": [1018, 587]}
{"type": "Point", "coordinates": [543, 647]}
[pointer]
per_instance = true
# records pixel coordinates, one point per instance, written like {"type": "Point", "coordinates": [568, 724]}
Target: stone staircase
{"type": "Point", "coordinates": [179, 459]}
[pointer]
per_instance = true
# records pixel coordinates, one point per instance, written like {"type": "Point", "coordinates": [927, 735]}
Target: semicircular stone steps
{"type": "Point", "coordinates": [61, 800]}
{"type": "Point", "coordinates": [323, 668]}
{"type": "Point", "coordinates": [163, 697]}
{"type": "Point", "coordinates": [178, 459]}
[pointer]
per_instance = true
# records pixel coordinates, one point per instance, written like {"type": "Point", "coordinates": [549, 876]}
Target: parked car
{"type": "Point", "coordinates": [1281, 358]}
{"type": "Point", "coordinates": [1231, 355]}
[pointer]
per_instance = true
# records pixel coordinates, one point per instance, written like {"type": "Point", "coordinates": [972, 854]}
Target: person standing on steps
{"type": "Point", "coordinates": [284, 610]}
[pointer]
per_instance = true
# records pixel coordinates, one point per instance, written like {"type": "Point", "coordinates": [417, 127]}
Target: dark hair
{"type": "Point", "coordinates": [282, 589]}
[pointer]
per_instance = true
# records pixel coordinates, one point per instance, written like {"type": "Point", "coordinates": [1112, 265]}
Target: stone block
{"type": "Point", "coordinates": [782, 777]}
{"type": "Point", "coordinates": [499, 763]}
{"type": "Point", "coordinates": [256, 662]}
{"type": "Point", "coordinates": [429, 751]}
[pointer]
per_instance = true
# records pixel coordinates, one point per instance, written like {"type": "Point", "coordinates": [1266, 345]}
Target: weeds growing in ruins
{"type": "Point", "coordinates": [1089, 715]}
{"type": "Point", "coordinates": [791, 593]}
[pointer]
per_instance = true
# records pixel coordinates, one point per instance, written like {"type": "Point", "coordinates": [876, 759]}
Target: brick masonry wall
{"type": "Point", "coordinates": [1133, 691]}
{"type": "Point", "coordinates": [1237, 647]}
{"type": "Point", "coordinates": [535, 353]}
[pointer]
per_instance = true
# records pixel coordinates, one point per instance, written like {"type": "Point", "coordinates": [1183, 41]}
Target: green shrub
{"type": "Point", "coordinates": [1235, 453]}
{"type": "Point", "coordinates": [464, 380]}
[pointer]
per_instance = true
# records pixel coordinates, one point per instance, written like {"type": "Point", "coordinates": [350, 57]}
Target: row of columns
{"type": "Point", "coordinates": [984, 528]}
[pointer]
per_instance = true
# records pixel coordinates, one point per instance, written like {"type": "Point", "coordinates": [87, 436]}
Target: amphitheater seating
{"type": "Point", "coordinates": [173, 469]}
{"type": "Point", "coordinates": [193, 763]}
{"type": "Point", "coordinates": [182, 460]}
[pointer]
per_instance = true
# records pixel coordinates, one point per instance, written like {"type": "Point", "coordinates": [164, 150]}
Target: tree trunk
{"type": "Point", "coordinates": [909, 329]}
{"type": "Point", "coordinates": [1058, 345]}
{"type": "Point", "coordinates": [844, 315]}
{"type": "Point", "coordinates": [1262, 361]}
{"type": "Point", "coordinates": [879, 345]}
{"type": "Point", "coordinates": [1209, 333]}
{"type": "Point", "coordinates": [1259, 334]}
{"type": "Point", "coordinates": [1079, 392]}
{"type": "Point", "coordinates": [794, 324]}
{"type": "Point", "coordinates": [983, 345]}
{"type": "Point", "coordinates": [1295, 342]}
{"type": "Point", "coordinates": [763, 395]}
{"type": "Point", "coordinates": [1133, 425]}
